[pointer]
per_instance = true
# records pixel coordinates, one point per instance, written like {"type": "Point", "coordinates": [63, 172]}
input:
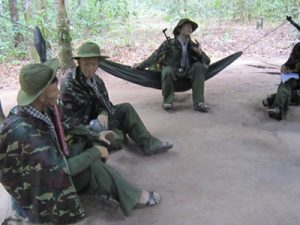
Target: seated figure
{"type": "Point", "coordinates": [288, 91]}
{"type": "Point", "coordinates": [44, 179]}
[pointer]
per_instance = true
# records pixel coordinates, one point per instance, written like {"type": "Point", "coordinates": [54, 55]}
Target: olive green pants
{"type": "Point", "coordinates": [196, 73]}
{"type": "Point", "coordinates": [128, 122]}
{"type": "Point", "coordinates": [286, 94]}
{"type": "Point", "coordinates": [100, 178]}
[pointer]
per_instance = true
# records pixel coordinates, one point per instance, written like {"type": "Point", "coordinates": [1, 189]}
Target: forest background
{"type": "Point", "coordinates": [129, 30]}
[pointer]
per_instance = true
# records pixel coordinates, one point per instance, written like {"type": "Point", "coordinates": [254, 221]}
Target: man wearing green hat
{"type": "Point", "coordinates": [85, 101]}
{"type": "Point", "coordinates": [180, 58]}
{"type": "Point", "coordinates": [44, 182]}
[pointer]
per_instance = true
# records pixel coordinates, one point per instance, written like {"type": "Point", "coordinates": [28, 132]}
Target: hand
{"type": "Point", "coordinates": [136, 66]}
{"type": "Point", "coordinates": [103, 152]}
{"type": "Point", "coordinates": [197, 48]}
{"type": "Point", "coordinates": [103, 120]}
{"type": "Point", "coordinates": [107, 136]}
{"type": "Point", "coordinates": [284, 69]}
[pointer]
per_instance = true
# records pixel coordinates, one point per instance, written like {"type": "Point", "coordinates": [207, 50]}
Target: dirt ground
{"type": "Point", "coordinates": [231, 166]}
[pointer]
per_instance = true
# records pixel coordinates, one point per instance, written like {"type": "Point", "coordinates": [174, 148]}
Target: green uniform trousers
{"type": "Point", "coordinates": [127, 120]}
{"type": "Point", "coordinates": [89, 173]}
{"type": "Point", "coordinates": [196, 73]}
{"type": "Point", "coordinates": [285, 94]}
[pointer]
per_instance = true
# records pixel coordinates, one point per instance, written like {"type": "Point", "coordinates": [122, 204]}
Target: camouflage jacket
{"type": "Point", "coordinates": [78, 100]}
{"type": "Point", "coordinates": [35, 172]}
{"type": "Point", "coordinates": [169, 54]}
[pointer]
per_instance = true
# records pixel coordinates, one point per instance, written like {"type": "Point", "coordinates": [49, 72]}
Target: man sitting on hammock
{"type": "Point", "coordinates": [181, 59]}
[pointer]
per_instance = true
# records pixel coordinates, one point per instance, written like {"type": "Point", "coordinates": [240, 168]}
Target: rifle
{"type": "Point", "coordinates": [40, 45]}
{"type": "Point", "coordinates": [289, 18]}
{"type": "Point", "coordinates": [167, 37]}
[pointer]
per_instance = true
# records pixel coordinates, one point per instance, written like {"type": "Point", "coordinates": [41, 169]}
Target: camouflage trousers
{"type": "Point", "coordinates": [127, 121]}
{"type": "Point", "coordinates": [196, 73]}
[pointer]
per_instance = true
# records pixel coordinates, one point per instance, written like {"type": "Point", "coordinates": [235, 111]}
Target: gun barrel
{"type": "Point", "coordinates": [289, 18]}
{"type": "Point", "coordinates": [166, 36]}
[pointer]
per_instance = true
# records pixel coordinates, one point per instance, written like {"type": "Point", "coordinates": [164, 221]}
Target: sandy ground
{"type": "Point", "coordinates": [232, 166]}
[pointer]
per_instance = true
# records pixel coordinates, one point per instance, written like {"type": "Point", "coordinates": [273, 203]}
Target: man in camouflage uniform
{"type": "Point", "coordinates": [180, 59]}
{"type": "Point", "coordinates": [85, 99]}
{"type": "Point", "coordinates": [43, 182]}
{"type": "Point", "coordinates": [288, 92]}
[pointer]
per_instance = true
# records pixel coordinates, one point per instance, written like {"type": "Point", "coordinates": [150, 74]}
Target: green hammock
{"type": "Point", "coordinates": [152, 79]}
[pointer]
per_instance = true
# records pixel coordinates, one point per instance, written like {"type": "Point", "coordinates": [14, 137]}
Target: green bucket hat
{"type": "Point", "coordinates": [182, 22]}
{"type": "Point", "coordinates": [88, 50]}
{"type": "Point", "coordinates": [34, 79]}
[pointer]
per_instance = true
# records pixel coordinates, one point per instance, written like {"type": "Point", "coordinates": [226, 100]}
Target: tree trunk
{"type": "Point", "coordinates": [27, 8]}
{"type": "Point", "coordinates": [42, 6]}
{"type": "Point", "coordinates": [64, 38]}
{"type": "Point", "coordinates": [1, 7]}
{"type": "Point", "coordinates": [18, 37]}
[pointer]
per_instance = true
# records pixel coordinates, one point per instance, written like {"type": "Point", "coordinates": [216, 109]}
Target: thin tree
{"type": "Point", "coordinates": [27, 8]}
{"type": "Point", "coordinates": [1, 7]}
{"type": "Point", "coordinates": [64, 37]}
{"type": "Point", "coordinates": [14, 16]}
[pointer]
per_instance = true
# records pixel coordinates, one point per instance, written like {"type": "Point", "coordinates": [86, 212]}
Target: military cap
{"type": "Point", "coordinates": [182, 22]}
{"type": "Point", "coordinates": [88, 50]}
{"type": "Point", "coordinates": [34, 79]}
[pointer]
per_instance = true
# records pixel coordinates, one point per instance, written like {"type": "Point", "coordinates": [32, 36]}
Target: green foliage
{"type": "Point", "coordinates": [111, 21]}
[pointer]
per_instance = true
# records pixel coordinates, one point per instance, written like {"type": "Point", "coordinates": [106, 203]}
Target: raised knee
{"type": "Point", "coordinates": [126, 105]}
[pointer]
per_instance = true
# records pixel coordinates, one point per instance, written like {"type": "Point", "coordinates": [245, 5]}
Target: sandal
{"type": "Point", "coordinates": [161, 148]}
{"type": "Point", "coordinates": [275, 113]}
{"type": "Point", "coordinates": [268, 101]}
{"type": "Point", "coordinates": [167, 105]}
{"type": "Point", "coordinates": [201, 107]}
{"type": "Point", "coordinates": [151, 201]}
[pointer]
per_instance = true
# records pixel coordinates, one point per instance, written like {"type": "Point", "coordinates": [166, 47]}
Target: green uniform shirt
{"type": "Point", "coordinates": [169, 54]}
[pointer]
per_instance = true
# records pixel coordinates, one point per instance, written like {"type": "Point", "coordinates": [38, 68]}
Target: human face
{"type": "Point", "coordinates": [186, 30]}
{"type": "Point", "coordinates": [49, 95]}
{"type": "Point", "coordinates": [88, 66]}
